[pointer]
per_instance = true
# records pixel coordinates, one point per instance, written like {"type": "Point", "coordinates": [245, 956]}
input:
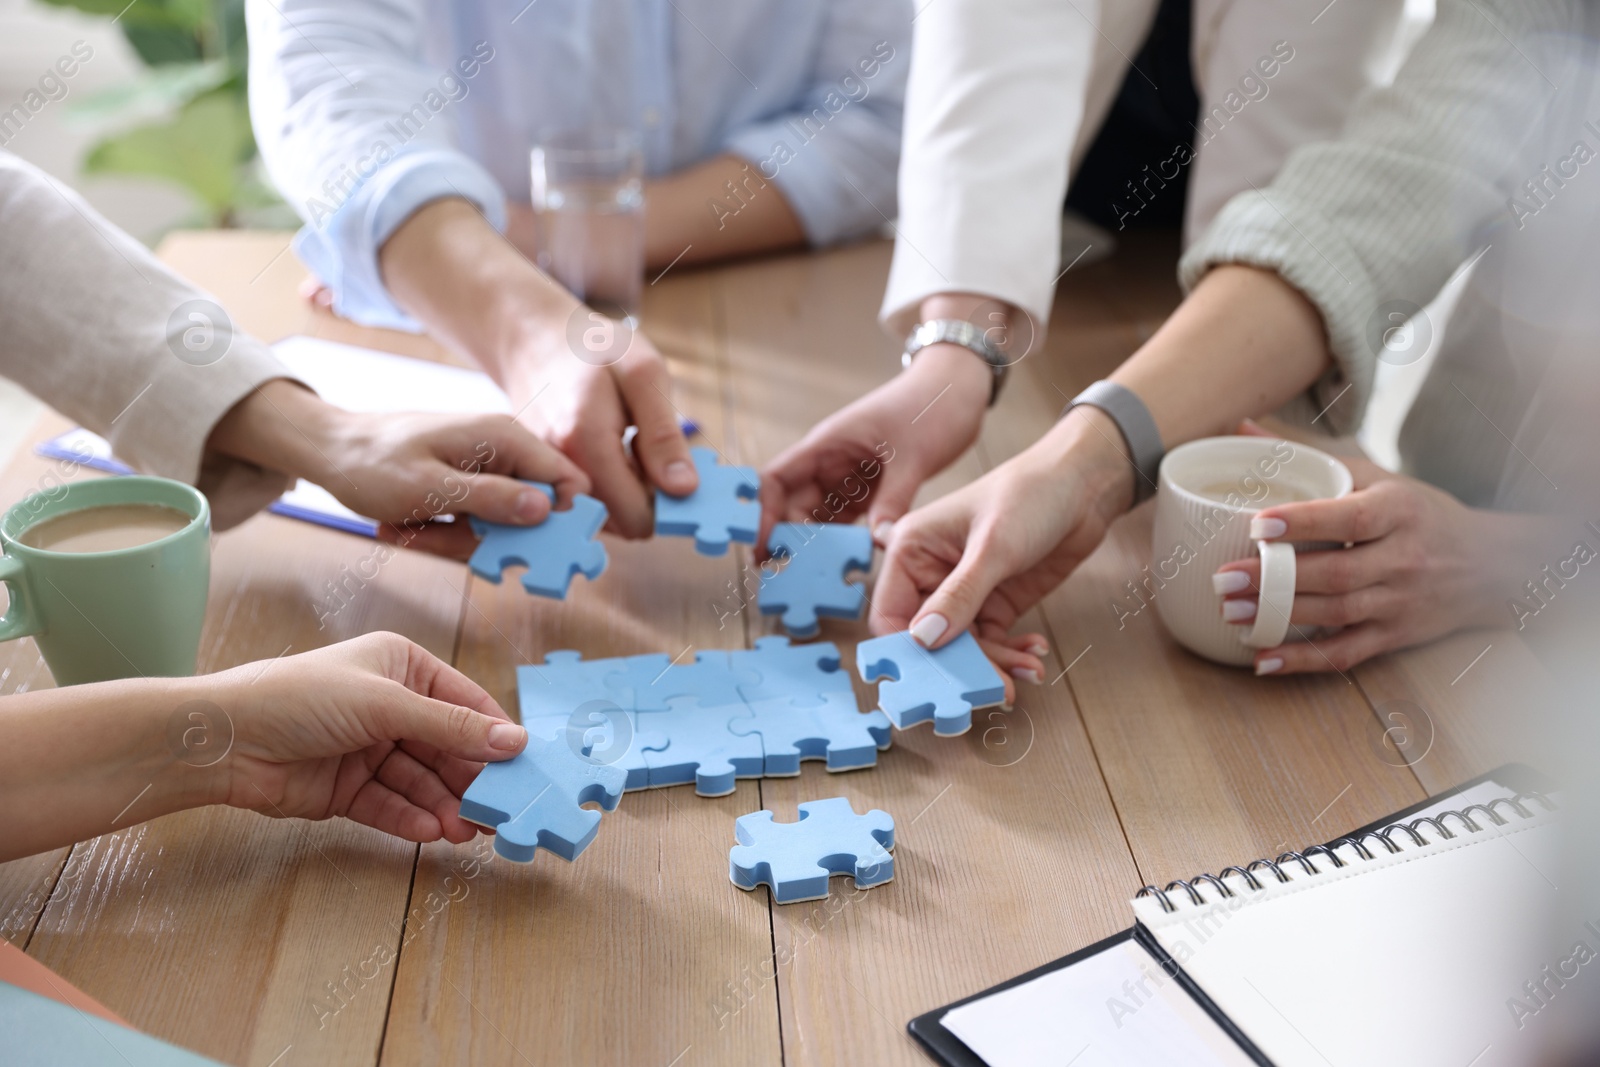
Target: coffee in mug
{"type": "Point", "coordinates": [109, 576]}
{"type": "Point", "coordinates": [105, 529]}
{"type": "Point", "coordinates": [1209, 491]}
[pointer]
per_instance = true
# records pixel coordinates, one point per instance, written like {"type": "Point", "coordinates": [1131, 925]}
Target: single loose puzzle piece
{"type": "Point", "coordinates": [811, 583]}
{"type": "Point", "coordinates": [553, 551]}
{"type": "Point", "coordinates": [835, 730]}
{"type": "Point", "coordinates": [797, 859]}
{"type": "Point", "coordinates": [533, 800]}
{"type": "Point", "coordinates": [775, 670]}
{"type": "Point", "coordinates": [723, 509]}
{"type": "Point", "coordinates": [702, 748]}
{"type": "Point", "coordinates": [943, 685]}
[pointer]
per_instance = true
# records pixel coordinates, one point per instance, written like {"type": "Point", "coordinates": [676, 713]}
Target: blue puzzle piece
{"type": "Point", "coordinates": [723, 509]}
{"type": "Point", "coordinates": [797, 859]}
{"type": "Point", "coordinates": [709, 679]}
{"type": "Point", "coordinates": [834, 730]}
{"type": "Point", "coordinates": [811, 582]}
{"type": "Point", "coordinates": [553, 551]}
{"type": "Point", "coordinates": [703, 750]}
{"type": "Point", "coordinates": [775, 670]}
{"type": "Point", "coordinates": [533, 800]}
{"type": "Point", "coordinates": [606, 735]}
{"type": "Point", "coordinates": [943, 685]}
{"type": "Point", "coordinates": [565, 681]}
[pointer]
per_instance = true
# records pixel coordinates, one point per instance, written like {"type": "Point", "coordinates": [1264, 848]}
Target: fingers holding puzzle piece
{"type": "Point", "coordinates": [553, 551]}
{"type": "Point", "coordinates": [722, 510]}
{"type": "Point", "coordinates": [943, 684]}
{"type": "Point", "coordinates": [534, 800]}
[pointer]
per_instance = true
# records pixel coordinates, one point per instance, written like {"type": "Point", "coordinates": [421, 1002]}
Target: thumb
{"type": "Point", "coordinates": [953, 606]}
{"type": "Point", "coordinates": [496, 498]}
{"type": "Point", "coordinates": [452, 729]}
{"type": "Point", "coordinates": [894, 498]}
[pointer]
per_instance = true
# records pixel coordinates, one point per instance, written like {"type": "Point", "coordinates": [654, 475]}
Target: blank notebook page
{"type": "Point", "coordinates": [1405, 959]}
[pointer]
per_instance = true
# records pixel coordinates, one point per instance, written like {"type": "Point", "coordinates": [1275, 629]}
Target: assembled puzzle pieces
{"type": "Point", "coordinates": [724, 508]}
{"type": "Point", "coordinates": [702, 748]}
{"type": "Point", "coordinates": [944, 684]}
{"type": "Point", "coordinates": [532, 800]}
{"type": "Point", "coordinates": [835, 730]}
{"type": "Point", "coordinates": [553, 551]}
{"type": "Point", "coordinates": [602, 732]}
{"type": "Point", "coordinates": [797, 859]}
{"type": "Point", "coordinates": [775, 670]}
{"type": "Point", "coordinates": [811, 582]}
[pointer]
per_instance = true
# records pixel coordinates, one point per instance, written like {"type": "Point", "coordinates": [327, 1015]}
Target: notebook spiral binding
{"type": "Point", "coordinates": [1356, 842]}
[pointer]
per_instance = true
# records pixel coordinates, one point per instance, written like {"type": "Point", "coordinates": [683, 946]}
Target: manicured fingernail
{"type": "Point", "coordinates": [1026, 674]}
{"type": "Point", "coordinates": [929, 629]}
{"type": "Point", "coordinates": [1039, 650]}
{"type": "Point", "coordinates": [1238, 610]}
{"type": "Point", "coordinates": [1226, 582]}
{"type": "Point", "coordinates": [1270, 665]}
{"type": "Point", "coordinates": [1263, 529]}
{"type": "Point", "coordinates": [882, 532]}
{"type": "Point", "coordinates": [506, 736]}
{"type": "Point", "coordinates": [532, 504]}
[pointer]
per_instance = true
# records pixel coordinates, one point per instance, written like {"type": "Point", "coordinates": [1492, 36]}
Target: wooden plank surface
{"type": "Point", "coordinates": [623, 957]}
{"type": "Point", "coordinates": [270, 942]}
{"type": "Point", "coordinates": [1008, 851]}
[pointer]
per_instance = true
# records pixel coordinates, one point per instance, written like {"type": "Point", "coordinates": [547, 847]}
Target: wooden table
{"type": "Point", "coordinates": [262, 941]}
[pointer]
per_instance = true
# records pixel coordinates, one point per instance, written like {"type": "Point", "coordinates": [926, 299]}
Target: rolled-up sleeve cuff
{"type": "Point", "coordinates": [1279, 232]}
{"type": "Point", "coordinates": [165, 430]}
{"type": "Point", "coordinates": [341, 247]}
{"type": "Point", "coordinates": [829, 207]}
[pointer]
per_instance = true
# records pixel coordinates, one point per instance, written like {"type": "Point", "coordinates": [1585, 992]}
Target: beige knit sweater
{"type": "Point", "coordinates": [1424, 177]}
{"type": "Point", "coordinates": [96, 327]}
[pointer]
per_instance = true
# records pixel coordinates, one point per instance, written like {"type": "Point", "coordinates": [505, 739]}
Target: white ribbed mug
{"type": "Point", "coordinates": [1209, 491]}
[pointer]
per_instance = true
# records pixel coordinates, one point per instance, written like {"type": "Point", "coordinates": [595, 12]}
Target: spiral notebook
{"type": "Point", "coordinates": [1406, 941]}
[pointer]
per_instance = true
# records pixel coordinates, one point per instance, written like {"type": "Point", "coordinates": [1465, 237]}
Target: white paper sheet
{"type": "Point", "coordinates": [1408, 958]}
{"type": "Point", "coordinates": [1115, 1009]}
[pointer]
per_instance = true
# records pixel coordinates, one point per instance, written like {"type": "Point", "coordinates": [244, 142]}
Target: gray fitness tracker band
{"type": "Point", "coordinates": [963, 333]}
{"type": "Point", "coordinates": [1138, 431]}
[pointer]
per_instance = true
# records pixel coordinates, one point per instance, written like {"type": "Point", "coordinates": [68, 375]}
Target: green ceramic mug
{"type": "Point", "coordinates": [128, 612]}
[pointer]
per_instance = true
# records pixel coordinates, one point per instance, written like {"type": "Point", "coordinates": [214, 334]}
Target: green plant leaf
{"type": "Point", "coordinates": [203, 148]}
{"type": "Point", "coordinates": [157, 93]}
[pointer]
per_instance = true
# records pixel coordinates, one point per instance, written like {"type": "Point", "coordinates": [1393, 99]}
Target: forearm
{"type": "Point", "coordinates": [85, 760]}
{"type": "Point", "coordinates": [1241, 345]}
{"type": "Point", "coordinates": [716, 210]}
{"type": "Point", "coordinates": [449, 269]}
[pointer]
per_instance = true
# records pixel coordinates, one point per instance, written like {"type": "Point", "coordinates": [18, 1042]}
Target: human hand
{"type": "Point", "coordinates": [583, 408]}
{"type": "Point", "coordinates": [984, 555]}
{"type": "Point", "coordinates": [828, 475]}
{"type": "Point", "coordinates": [1421, 565]}
{"type": "Point", "coordinates": [374, 729]}
{"type": "Point", "coordinates": [407, 470]}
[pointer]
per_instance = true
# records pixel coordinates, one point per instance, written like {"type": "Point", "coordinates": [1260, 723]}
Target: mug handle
{"type": "Point", "coordinates": [18, 620]}
{"type": "Point", "coordinates": [1277, 595]}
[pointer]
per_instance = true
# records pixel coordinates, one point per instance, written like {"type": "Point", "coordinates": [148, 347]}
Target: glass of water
{"type": "Point", "coordinates": [588, 208]}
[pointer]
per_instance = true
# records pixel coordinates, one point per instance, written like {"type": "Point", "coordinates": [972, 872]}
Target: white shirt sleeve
{"type": "Point", "coordinates": [355, 131]}
{"type": "Point", "coordinates": [1001, 96]}
{"type": "Point", "coordinates": [1385, 213]}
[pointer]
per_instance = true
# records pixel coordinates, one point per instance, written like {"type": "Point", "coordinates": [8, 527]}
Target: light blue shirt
{"type": "Point", "coordinates": [367, 109]}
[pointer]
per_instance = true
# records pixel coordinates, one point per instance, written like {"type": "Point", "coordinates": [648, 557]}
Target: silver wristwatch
{"type": "Point", "coordinates": [963, 333]}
